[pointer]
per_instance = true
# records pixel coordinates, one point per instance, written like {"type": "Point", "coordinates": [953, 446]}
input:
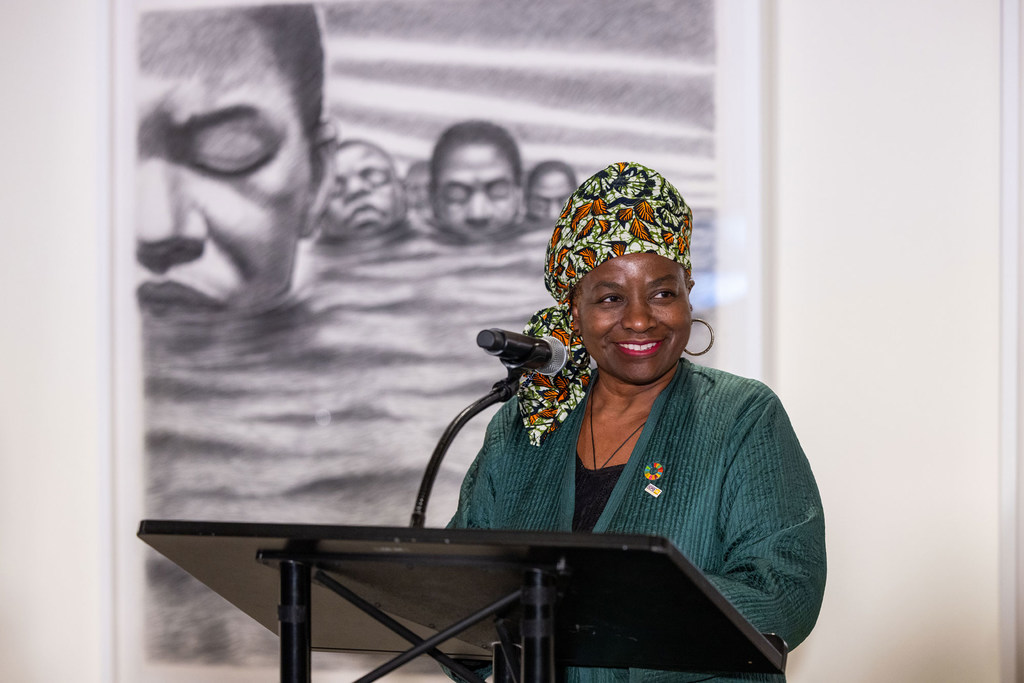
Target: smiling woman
{"type": "Point", "coordinates": [650, 443]}
{"type": "Point", "coordinates": [633, 315]}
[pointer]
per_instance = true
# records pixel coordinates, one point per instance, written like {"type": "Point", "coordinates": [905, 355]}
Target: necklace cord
{"type": "Point", "coordinates": [593, 448]}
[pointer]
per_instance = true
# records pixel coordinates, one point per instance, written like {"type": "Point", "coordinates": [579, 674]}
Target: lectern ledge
{"type": "Point", "coordinates": [599, 600]}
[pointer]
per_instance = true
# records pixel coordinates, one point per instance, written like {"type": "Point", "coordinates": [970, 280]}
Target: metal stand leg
{"type": "Point", "coordinates": [506, 656]}
{"type": "Point", "coordinates": [500, 664]}
{"type": "Point", "coordinates": [294, 615]}
{"type": "Point", "coordinates": [464, 672]}
{"type": "Point", "coordinates": [538, 627]}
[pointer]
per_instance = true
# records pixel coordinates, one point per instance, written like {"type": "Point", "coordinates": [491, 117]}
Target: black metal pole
{"type": "Point", "coordinates": [294, 615]}
{"type": "Point", "coordinates": [505, 655]}
{"type": "Point", "coordinates": [538, 627]}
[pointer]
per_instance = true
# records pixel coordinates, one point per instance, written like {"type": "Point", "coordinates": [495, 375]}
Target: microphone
{"type": "Point", "coordinates": [546, 355]}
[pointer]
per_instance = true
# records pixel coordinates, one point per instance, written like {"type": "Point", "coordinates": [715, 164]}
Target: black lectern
{"type": "Point", "coordinates": [569, 599]}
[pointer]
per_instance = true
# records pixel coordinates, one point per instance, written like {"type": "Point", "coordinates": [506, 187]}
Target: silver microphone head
{"type": "Point", "coordinates": [559, 356]}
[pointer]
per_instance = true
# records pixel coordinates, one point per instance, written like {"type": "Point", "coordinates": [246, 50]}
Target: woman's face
{"type": "Point", "coordinates": [633, 313]}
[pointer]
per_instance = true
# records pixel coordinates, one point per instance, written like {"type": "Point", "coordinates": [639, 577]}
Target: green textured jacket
{"type": "Point", "coordinates": [737, 498]}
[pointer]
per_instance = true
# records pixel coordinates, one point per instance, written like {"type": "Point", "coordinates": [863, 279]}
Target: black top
{"type": "Point", "coordinates": [593, 488]}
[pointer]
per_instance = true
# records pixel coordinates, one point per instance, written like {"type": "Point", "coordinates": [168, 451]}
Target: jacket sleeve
{"type": "Point", "coordinates": [772, 525]}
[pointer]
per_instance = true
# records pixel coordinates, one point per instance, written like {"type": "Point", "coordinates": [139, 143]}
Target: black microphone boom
{"type": "Point", "coordinates": [546, 355]}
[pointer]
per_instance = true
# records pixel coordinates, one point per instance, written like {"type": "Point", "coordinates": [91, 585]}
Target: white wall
{"type": "Point", "coordinates": [886, 314]}
{"type": "Point", "coordinates": [887, 311]}
{"type": "Point", "coordinates": [51, 473]}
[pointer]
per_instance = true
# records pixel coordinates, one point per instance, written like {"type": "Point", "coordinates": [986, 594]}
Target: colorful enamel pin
{"type": "Point", "coordinates": [654, 471]}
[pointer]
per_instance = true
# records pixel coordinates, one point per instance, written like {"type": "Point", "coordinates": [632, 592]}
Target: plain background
{"type": "Point", "coordinates": [884, 274]}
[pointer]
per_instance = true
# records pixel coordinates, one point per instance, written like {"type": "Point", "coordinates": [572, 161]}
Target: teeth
{"type": "Point", "coordinates": [640, 347]}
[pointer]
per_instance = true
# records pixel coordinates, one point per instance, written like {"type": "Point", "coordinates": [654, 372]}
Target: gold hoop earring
{"type": "Point", "coordinates": [710, 343]}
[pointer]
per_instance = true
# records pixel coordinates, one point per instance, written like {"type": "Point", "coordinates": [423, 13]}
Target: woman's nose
{"type": "Point", "coordinates": [638, 316]}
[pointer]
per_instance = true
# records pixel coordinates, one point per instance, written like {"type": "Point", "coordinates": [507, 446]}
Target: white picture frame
{"type": "Point", "coordinates": [728, 184]}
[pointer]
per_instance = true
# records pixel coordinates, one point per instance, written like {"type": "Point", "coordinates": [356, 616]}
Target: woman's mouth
{"type": "Point", "coordinates": [639, 348]}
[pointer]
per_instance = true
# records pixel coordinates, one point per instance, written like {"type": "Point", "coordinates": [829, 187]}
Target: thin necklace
{"type": "Point", "coordinates": [593, 449]}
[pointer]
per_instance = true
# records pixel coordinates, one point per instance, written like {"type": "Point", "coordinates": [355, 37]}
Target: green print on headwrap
{"type": "Point", "coordinates": [624, 209]}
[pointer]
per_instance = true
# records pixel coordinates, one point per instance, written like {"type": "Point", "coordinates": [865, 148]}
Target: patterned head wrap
{"type": "Point", "coordinates": [624, 209]}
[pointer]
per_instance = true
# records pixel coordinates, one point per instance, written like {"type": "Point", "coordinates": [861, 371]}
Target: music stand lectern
{"type": "Point", "coordinates": [574, 599]}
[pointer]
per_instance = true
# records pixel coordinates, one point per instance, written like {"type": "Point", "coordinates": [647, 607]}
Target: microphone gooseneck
{"type": "Point", "coordinates": [502, 391]}
{"type": "Point", "coordinates": [518, 352]}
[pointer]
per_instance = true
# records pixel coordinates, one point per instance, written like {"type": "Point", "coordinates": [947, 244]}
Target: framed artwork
{"type": "Point", "coordinates": [317, 207]}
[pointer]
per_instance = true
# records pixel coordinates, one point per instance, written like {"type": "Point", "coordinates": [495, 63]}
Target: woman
{"type": "Point", "coordinates": [651, 443]}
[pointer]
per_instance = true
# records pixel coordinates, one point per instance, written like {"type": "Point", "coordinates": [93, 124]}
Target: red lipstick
{"type": "Point", "coordinates": [640, 349]}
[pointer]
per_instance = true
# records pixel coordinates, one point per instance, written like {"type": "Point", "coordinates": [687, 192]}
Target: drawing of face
{"type": "Point", "coordinates": [476, 192]}
{"type": "Point", "coordinates": [368, 199]}
{"type": "Point", "coordinates": [548, 189]}
{"type": "Point", "coordinates": [227, 175]}
{"type": "Point", "coordinates": [417, 188]}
